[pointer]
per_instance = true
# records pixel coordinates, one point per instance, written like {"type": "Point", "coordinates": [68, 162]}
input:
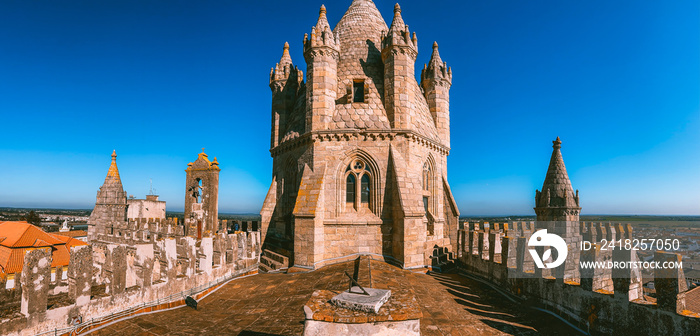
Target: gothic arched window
{"type": "Point", "coordinates": [428, 193]}
{"type": "Point", "coordinates": [427, 177]}
{"type": "Point", "coordinates": [350, 189]}
{"type": "Point", "coordinates": [364, 189]}
{"type": "Point", "coordinates": [358, 195]}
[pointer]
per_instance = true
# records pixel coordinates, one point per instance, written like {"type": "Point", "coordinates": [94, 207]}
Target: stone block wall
{"type": "Point", "coordinates": [600, 302]}
{"type": "Point", "coordinates": [342, 240]}
{"type": "Point", "coordinates": [131, 275]}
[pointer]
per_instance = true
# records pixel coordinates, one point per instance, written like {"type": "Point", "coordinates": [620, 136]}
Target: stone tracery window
{"type": "Point", "coordinates": [428, 200]}
{"type": "Point", "coordinates": [358, 195]}
{"type": "Point", "coordinates": [427, 179]}
{"type": "Point", "coordinates": [350, 189]}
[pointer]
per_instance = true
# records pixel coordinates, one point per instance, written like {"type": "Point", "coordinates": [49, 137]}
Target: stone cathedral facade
{"type": "Point", "coordinates": [360, 147]}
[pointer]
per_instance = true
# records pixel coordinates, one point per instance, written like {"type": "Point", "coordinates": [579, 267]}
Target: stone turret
{"type": "Point", "coordinates": [349, 153]}
{"type": "Point", "coordinates": [110, 207]}
{"type": "Point", "coordinates": [399, 52]}
{"type": "Point", "coordinates": [557, 210]}
{"type": "Point", "coordinates": [202, 197]}
{"type": "Point", "coordinates": [557, 200]}
{"type": "Point", "coordinates": [285, 79]}
{"type": "Point", "coordinates": [321, 52]}
{"type": "Point", "coordinates": [436, 80]}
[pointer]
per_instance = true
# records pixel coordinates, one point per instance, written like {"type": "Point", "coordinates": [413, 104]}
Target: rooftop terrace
{"type": "Point", "coordinates": [272, 304]}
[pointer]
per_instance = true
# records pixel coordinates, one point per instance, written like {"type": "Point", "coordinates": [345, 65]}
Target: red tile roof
{"type": "Point", "coordinates": [72, 234]}
{"type": "Point", "coordinates": [16, 238]}
{"type": "Point", "coordinates": [692, 300]}
{"type": "Point", "coordinates": [23, 234]}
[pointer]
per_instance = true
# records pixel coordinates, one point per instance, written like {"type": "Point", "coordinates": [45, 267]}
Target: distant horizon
{"type": "Point", "coordinates": [461, 215]}
{"type": "Point", "coordinates": [157, 81]}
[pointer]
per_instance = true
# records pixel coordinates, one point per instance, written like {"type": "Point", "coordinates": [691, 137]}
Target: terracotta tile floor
{"type": "Point", "coordinates": [271, 304]}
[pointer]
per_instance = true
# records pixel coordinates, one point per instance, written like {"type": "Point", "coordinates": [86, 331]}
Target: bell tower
{"type": "Point", "coordinates": [202, 197]}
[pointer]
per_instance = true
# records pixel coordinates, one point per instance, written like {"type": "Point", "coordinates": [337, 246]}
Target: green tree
{"type": "Point", "coordinates": [33, 218]}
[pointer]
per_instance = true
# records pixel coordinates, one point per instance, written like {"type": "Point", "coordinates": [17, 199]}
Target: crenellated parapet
{"type": "Point", "coordinates": [105, 278]}
{"type": "Point", "coordinates": [603, 301]}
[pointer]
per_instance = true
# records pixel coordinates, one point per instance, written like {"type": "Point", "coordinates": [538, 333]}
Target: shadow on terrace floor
{"type": "Point", "coordinates": [272, 304]}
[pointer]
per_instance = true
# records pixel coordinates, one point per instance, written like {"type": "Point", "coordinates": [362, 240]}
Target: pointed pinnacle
{"type": "Point", "coordinates": [322, 11]}
{"type": "Point", "coordinates": [435, 45]}
{"type": "Point", "coordinates": [397, 8]}
{"type": "Point", "coordinates": [557, 143]}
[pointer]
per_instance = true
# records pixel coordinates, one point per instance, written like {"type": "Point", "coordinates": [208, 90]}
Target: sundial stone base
{"type": "Point", "coordinates": [355, 299]}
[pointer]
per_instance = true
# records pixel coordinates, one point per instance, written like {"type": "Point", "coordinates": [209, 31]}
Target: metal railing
{"type": "Point", "coordinates": [87, 325]}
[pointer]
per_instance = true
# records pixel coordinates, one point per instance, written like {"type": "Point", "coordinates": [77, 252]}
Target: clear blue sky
{"type": "Point", "coordinates": [618, 81]}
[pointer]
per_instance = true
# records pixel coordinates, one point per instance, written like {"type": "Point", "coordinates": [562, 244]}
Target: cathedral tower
{"type": "Point", "coordinates": [110, 208]}
{"type": "Point", "coordinates": [360, 148]}
{"type": "Point", "coordinates": [202, 197]}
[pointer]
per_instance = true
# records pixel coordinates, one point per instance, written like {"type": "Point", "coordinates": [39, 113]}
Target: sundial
{"type": "Point", "coordinates": [359, 298]}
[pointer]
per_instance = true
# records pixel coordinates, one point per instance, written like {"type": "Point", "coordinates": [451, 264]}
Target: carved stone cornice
{"type": "Point", "coordinates": [356, 134]}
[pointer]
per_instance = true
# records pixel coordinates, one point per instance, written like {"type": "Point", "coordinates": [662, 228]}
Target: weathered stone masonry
{"type": "Point", "coordinates": [128, 262]}
{"type": "Point", "coordinates": [360, 149]}
{"type": "Point", "coordinates": [597, 300]}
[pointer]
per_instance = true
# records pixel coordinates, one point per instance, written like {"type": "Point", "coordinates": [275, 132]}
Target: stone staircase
{"type": "Point", "coordinates": [272, 262]}
{"type": "Point", "coordinates": [442, 260]}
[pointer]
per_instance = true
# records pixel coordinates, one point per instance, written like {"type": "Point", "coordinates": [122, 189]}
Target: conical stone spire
{"type": "Point", "coordinates": [109, 213]}
{"type": "Point", "coordinates": [436, 71]}
{"type": "Point", "coordinates": [398, 34]}
{"type": "Point", "coordinates": [321, 34]}
{"type": "Point", "coordinates": [286, 58]}
{"type": "Point", "coordinates": [435, 60]}
{"type": "Point", "coordinates": [322, 23]}
{"type": "Point", "coordinates": [113, 172]}
{"type": "Point", "coordinates": [557, 200]}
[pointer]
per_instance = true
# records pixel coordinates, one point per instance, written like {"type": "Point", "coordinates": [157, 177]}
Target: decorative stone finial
{"type": "Point", "coordinates": [557, 143]}
{"type": "Point", "coordinates": [322, 11]}
{"type": "Point", "coordinates": [286, 46]}
{"type": "Point", "coordinates": [397, 8]}
{"type": "Point", "coordinates": [113, 172]}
